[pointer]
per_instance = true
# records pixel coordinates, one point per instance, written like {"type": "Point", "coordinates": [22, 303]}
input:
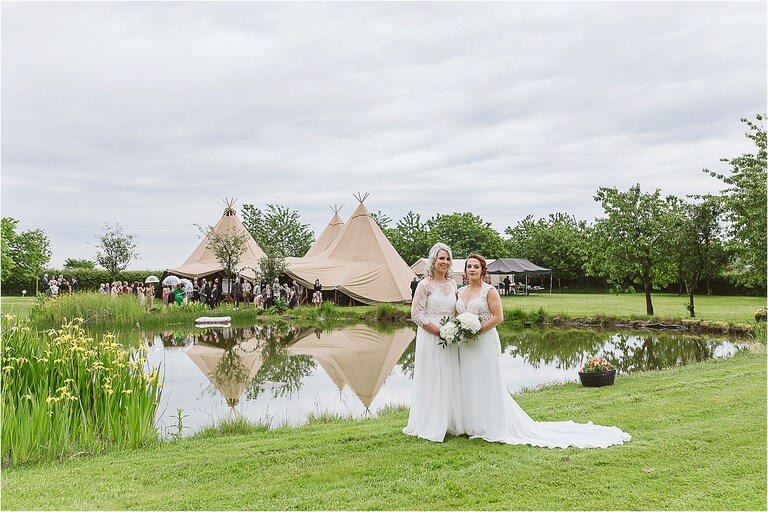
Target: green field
{"type": "Point", "coordinates": [666, 306]}
{"type": "Point", "coordinates": [19, 306]}
{"type": "Point", "coordinates": [699, 443]}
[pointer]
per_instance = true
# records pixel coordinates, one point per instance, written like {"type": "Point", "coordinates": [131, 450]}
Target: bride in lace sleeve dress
{"type": "Point", "coordinates": [436, 397]}
{"type": "Point", "coordinates": [488, 410]}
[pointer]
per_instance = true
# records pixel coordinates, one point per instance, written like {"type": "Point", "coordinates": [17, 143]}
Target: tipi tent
{"type": "Point", "coordinates": [329, 234]}
{"type": "Point", "coordinates": [360, 263]}
{"type": "Point", "coordinates": [357, 356]}
{"type": "Point", "coordinates": [203, 262]}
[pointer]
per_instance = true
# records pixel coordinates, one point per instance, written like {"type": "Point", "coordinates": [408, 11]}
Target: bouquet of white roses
{"type": "Point", "coordinates": [459, 329]}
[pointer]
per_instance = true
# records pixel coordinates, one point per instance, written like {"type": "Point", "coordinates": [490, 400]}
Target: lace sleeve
{"type": "Point", "coordinates": [419, 304]}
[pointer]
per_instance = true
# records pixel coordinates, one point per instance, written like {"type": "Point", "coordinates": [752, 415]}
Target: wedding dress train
{"type": "Point", "coordinates": [490, 413]}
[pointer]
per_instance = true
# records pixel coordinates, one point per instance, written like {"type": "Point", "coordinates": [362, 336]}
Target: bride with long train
{"type": "Point", "coordinates": [487, 409]}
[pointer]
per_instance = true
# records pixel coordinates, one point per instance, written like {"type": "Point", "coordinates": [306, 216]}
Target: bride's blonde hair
{"type": "Point", "coordinates": [439, 246]}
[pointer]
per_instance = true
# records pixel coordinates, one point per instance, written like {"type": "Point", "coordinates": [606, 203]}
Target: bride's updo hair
{"type": "Point", "coordinates": [439, 246]}
{"type": "Point", "coordinates": [483, 265]}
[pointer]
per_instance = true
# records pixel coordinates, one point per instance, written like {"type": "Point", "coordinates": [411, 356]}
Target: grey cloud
{"type": "Point", "coordinates": [503, 109]}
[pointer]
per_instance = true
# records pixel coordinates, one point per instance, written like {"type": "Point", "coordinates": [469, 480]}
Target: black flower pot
{"type": "Point", "coordinates": [597, 379]}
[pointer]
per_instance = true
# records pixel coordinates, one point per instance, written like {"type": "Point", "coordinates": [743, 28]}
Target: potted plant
{"type": "Point", "coordinates": [597, 372]}
{"type": "Point", "coordinates": [760, 314]}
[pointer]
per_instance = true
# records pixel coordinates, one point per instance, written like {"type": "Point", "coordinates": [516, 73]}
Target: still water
{"type": "Point", "coordinates": [281, 374]}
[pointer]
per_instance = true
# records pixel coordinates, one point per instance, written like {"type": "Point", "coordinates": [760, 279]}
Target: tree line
{"type": "Point", "coordinates": [643, 241]}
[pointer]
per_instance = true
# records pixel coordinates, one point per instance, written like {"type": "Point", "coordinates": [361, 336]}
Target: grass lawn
{"type": "Point", "coordinates": [699, 442]}
{"type": "Point", "coordinates": [19, 306]}
{"type": "Point", "coordinates": [666, 306]}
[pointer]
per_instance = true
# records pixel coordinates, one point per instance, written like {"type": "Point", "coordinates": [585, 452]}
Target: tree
{"type": "Point", "coordinates": [73, 263]}
{"type": "Point", "coordinates": [383, 220]}
{"type": "Point", "coordinates": [410, 238]}
{"type": "Point", "coordinates": [115, 250]}
{"type": "Point", "coordinates": [7, 264]}
{"type": "Point", "coordinates": [745, 200]}
{"type": "Point", "coordinates": [633, 242]}
{"type": "Point", "coordinates": [228, 246]}
{"type": "Point", "coordinates": [466, 233]}
{"type": "Point", "coordinates": [697, 247]}
{"type": "Point", "coordinates": [23, 254]}
{"type": "Point", "coordinates": [271, 266]}
{"type": "Point", "coordinates": [555, 242]}
{"type": "Point", "coordinates": [277, 230]}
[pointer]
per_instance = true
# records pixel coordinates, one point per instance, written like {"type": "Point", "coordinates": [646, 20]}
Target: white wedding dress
{"type": "Point", "coordinates": [490, 413]}
{"type": "Point", "coordinates": [436, 398]}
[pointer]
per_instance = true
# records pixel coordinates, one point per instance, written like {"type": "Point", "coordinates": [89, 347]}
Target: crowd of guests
{"type": "Point", "coordinates": [59, 285]}
{"type": "Point", "coordinates": [145, 293]}
{"type": "Point", "coordinates": [203, 291]}
{"type": "Point", "coordinates": [242, 292]}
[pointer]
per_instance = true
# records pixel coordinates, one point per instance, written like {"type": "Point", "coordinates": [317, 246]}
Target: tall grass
{"type": "Point", "coordinates": [100, 308]}
{"type": "Point", "coordinates": [65, 393]}
{"type": "Point", "coordinates": [390, 312]}
{"type": "Point", "coordinates": [92, 307]}
{"type": "Point", "coordinates": [327, 310]}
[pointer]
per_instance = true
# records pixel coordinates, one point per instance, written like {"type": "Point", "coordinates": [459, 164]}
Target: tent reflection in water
{"type": "Point", "coordinates": [358, 357]}
{"type": "Point", "coordinates": [229, 369]}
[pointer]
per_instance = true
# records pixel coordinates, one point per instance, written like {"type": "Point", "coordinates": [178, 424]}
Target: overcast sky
{"type": "Point", "coordinates": [148, 114]}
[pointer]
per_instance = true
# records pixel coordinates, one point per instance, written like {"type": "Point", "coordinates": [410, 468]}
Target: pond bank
{"type": "Point", "coordinates": [718, 313]}
{"type": "Point", "coordinates": [692, 326]}
{"type": "Point", "coordinates": [691, 450]}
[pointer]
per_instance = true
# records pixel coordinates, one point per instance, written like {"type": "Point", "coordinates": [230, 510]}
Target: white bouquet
{"type": "Point", "coordinates": [459, 329]}
{"type": "Point", "coordinates": [469, 322]}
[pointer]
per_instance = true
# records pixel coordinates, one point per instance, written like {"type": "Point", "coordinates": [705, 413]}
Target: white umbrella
{"type": "Point", "coordinates": [151, 279]}
{"type": "Point", "coordinates": [187, 284]}
{"type": "Point", "coordinates": [171, 280]}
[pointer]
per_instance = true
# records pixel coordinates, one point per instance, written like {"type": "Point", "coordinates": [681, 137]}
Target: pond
{"type": "Point", "coordinates": [281, 374]}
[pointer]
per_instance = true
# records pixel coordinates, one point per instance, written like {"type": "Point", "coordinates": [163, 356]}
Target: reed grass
{"type": "Point", "coordinates": [327, 310]}
{"type": "Point", "coordinates": [91, 307]}
{"type": "Point", "coordinates": [99, 308]}
{"type": "Point", "coordinates": [64, 393]}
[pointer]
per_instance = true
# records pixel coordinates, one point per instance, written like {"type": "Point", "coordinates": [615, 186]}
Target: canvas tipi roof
{"type": "Point", "coordinates": [360, 263]}
{"type": "Point", "coordinates": [202, 262]}
{"type": "Point", "coordinates": [357, 356]}
{"type": "Point", "coordinates": [329, 234]}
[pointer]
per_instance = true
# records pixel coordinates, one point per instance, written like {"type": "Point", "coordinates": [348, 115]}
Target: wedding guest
{"type": "Point", "coordinates": [236, 292]}
{"type": "Point", "coordinates": [246, 292]}
{"type": "Point", "coordinates": [178, 294]}
{"type": "Point", "coordinates": [204, 292]}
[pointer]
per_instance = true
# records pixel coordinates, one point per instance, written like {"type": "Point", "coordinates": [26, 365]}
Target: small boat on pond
{"type": "Point", "coordinates": [213, 321]}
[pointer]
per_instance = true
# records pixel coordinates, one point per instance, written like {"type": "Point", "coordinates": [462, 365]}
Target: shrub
{"type": "Point", "coordinates": [280, 306]}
